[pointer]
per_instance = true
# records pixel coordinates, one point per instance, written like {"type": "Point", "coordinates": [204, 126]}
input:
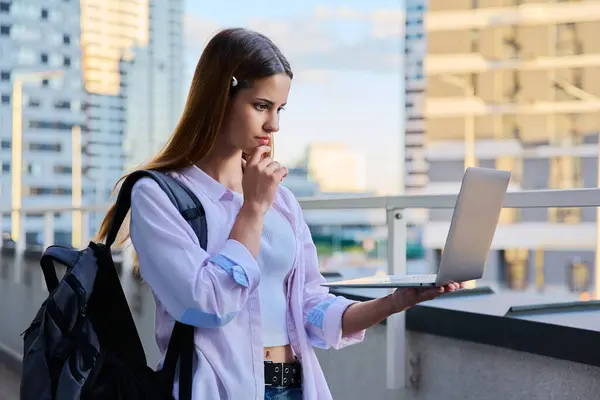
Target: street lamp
{"type": "Point", "coordinates": [469, 93]}
{"type": "Point", "coordinates": [17, 144]}
{"type": "Point", "coordinates": [588, 97]}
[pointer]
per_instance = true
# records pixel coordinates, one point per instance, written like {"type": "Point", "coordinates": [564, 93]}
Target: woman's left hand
{"type": "Point", "coordinates": [404, 298]}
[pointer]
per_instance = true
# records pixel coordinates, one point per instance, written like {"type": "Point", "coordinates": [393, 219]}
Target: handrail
{"type": "Point", "coordinates": [547, 198]}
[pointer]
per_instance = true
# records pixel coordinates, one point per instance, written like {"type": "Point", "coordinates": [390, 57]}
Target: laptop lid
{"type": "Point", "coordinates": [473, 224]}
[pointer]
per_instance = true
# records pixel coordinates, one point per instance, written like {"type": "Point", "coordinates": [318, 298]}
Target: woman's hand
{"type": "Point", "coordinates": [362, 315]}
{"type": "Point", "coordinates": [262, 176]}
{"type": "Point", "coordinates": [404, 298]}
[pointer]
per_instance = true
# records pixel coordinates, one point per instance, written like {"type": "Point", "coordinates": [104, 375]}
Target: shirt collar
{"type": "Point", "coordinates": [213, 188]}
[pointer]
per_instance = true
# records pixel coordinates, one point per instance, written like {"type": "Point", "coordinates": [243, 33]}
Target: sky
{"type": "Point", "coordinates": [348, 82]}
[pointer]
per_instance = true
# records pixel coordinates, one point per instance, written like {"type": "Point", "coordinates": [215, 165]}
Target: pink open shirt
{"type": "Point", "coordinates": [215, 290]}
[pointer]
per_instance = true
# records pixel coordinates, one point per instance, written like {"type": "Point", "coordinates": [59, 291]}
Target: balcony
{"type": "Point", "coordinates": [485, 342]}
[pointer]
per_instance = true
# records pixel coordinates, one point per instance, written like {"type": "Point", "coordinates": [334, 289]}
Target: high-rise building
{"type": "Point", "coordinates": [133, 67]}
{"type": "Point", "coordinates": [155, 83]}
{"type": "Point", "coordinates": [42, 96]}
{"type": "Point", "coordinates": [415, 49]}
{"type": "Point", "coordinates": [513, 85]}
{"type": "Point", "coordinates": [110, 30]}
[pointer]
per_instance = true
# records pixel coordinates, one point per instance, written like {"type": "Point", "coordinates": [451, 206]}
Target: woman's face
{"type": "Point", "coordinates": [252, 117]}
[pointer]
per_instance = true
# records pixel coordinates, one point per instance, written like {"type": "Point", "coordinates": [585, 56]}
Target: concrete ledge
{"type": "Point", "coordinates": [10, 359]}
{"type": "Point", "coordinates": [532, 323]}
{"type": "Point", "coordinates": [561, 342]}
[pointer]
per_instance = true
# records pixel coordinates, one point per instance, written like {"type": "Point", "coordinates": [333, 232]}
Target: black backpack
{"type": "Point", "coordinates": [83, 342]}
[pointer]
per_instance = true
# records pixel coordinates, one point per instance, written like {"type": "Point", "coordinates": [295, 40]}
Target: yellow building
{"type": "Point", "coordinates": [110, 30]}
{"type": "Point", "coordinates": [514, 85]}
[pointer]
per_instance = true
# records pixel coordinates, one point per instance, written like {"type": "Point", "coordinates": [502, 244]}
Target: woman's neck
{"type": "Point", "coordinates": [225, 169]}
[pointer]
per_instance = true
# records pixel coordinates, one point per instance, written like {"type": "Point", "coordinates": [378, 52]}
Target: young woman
{"type": "Point", "coordinates": [255, 296]}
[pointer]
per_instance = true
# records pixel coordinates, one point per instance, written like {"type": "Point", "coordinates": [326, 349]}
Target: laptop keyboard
{"type": "Point", "coordinates": [416, 278]}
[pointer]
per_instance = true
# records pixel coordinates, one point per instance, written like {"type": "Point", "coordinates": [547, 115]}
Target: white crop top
{"type": "Point", "coordinates": [275, 259]}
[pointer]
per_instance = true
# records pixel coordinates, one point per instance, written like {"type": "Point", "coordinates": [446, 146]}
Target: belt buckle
{"type": "Point", "coordinates": [281, 378]}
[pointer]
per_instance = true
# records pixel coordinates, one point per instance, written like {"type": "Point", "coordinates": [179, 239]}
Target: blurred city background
{"type": "Point", "coordinates": [389, 98]}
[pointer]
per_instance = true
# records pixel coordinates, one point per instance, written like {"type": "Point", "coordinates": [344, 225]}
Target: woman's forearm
{"type": "Point", "coordinates": [363, 315]}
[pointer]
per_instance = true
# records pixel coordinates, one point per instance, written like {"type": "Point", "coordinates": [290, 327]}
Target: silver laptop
{"type": "Point", "coordinates": [472, 229]}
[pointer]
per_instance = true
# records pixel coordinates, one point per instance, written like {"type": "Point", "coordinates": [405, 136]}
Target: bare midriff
{"type": "Point", "coordinates": [279, 354]}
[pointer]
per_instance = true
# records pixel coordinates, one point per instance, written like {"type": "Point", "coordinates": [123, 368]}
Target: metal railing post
{"type": "Point", "coordinates": [20, 242]}
{"type": "Point", "coordinates": [48, 238]}
{"type": "Point", "coordinates": [127, 269]}
{"type": "Point", "coordinates": [396, 328]}
{"type": "Point", "coordinates": [48, 229]}
{"type": "Point", "coordinates": [85, 228]}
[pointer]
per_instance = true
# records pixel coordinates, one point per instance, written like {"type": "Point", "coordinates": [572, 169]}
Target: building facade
{"type": "Point", "coordinates": [42, 99]}
{"type": "Point", "coordinates": [415, 50]}
{"type": "Point", "coordinates": [513, 85]}
{"type": "Point", "coordinates": [133, 67]}
{"type": "Point", "coordinates": [155, 84]}
{"type": "Point", "coordinates": [110, 30]}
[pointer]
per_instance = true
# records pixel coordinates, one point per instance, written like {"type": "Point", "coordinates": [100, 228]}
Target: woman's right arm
{"type": "Point", "coordinates": [194, 287]}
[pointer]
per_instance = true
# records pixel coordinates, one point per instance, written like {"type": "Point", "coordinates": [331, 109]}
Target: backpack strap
{"type": "Point", "coordinates": [61, 255]}
{"type": "Point", "coordinates": [181, 344]}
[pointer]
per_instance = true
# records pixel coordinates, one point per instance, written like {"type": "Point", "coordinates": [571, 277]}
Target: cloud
{"type": "Point", "coordinates": [384, 22]}
{"type": "Point", "coordinates": [327, 39]}
{"type": "Point", "coordinates": [196, 33]}
{"type": "Point", "coordinates": [313, 76]}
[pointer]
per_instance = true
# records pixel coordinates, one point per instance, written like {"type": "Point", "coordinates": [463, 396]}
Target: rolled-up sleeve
{"type": "Point", "coordinates": [195, 287]}
{"type": "Point", "coordinates": [323, 311]}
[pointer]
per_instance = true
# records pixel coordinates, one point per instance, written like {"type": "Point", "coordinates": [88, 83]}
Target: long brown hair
{"type": "Point", "coordinates": [236, 52]}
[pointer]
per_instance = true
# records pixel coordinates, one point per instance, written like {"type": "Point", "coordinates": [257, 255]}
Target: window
{"type": "Point", "coordinates": [5, 144]}
{"type": "Point", "coordinates": [45, 82]}
{"type": "Point", "coordinates": [44, 58]}
{"type": "Point", "coordinates": [5, 75]}
{"type": "Point", "coordinates": [54, 147]}
{"type": "Point", "coordinates": [38, 191]}
{"type": "Point", "coordinates": [4, 7]}
{"type": "Point", "coordinates": [34, 169]}
{"type": "Point", "coordinates": [66, 61]}
{"type": "Point", "coordinates": [44, 14]}
{"type": "Point", "coordinates": [5, 30]}
{"type": "Point", "coordinates": [5, 167]}
{"type": "Point", "coordinates": [50, 125]}
{"type": "Point", "coordinates": [62, 104]}
{"type": "Point", "coordinates": [5, 99]}
{"type": "Point", "coordinates": [34, 103]}
{"type": "Point", "coordinates": [66, 39]}
{"type": "Point", "coordinates": [62, 169]}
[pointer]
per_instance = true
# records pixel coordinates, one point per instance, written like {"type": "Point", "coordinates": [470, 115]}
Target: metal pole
{"type": "Point", "coordinates": [17, 159]}
{"type": "Point", "coordinates": [76, 188]}
{"type": "Point", "coordinates": [396, 325]}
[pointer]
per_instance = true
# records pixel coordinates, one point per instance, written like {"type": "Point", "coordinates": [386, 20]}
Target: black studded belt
{"type": "Point", "coordinates": [283, 374]}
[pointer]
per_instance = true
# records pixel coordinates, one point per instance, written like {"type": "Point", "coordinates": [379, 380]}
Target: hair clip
{"type": "Point", "coordinates": [234, 81]}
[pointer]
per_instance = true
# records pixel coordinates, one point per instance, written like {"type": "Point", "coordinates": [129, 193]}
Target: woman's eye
{"type": "Point", "coordinates": [262, 107]}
